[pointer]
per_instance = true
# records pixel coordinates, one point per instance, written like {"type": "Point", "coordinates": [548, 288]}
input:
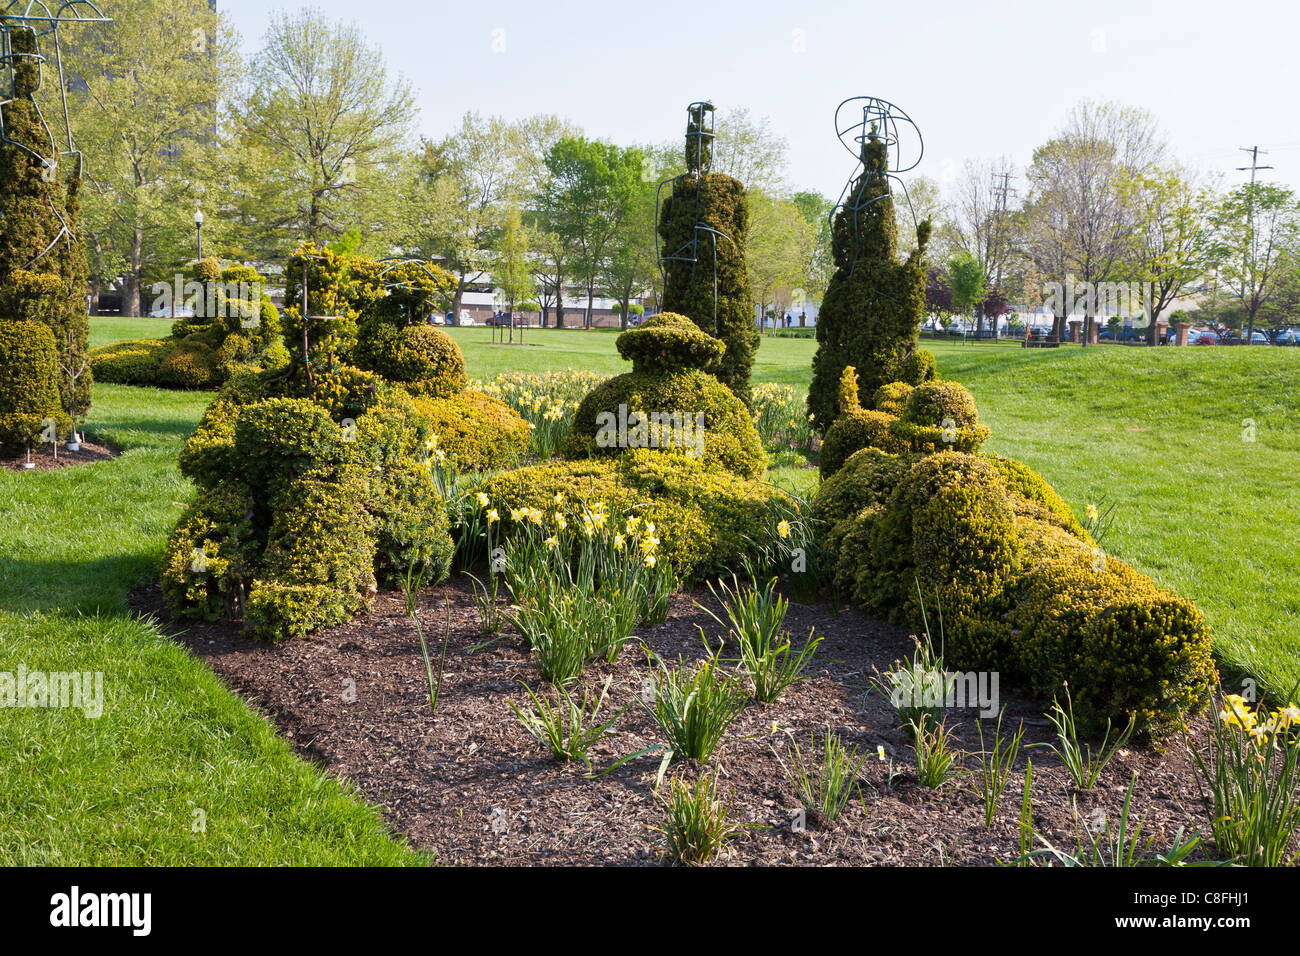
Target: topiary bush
{"type": "Point", "coordinates": [940, 416]}
{"type": "Point", "coordinates": [720, 305]}
{"type": "Point", "coordinates": [706, 517]}
{"type": "Point", "coordinates": [130, 363]}
{"type": "Point", "coordinates": [1020, 586]}
{"type": "Point", "coordinates": [318, 567]}
{"type": "Point", "coordinates": [29, 382]}
{"type": "Point", "coordinates": [918, 368]}
{"type": "Point", "coordinates": [668, 403]}
{"type": "Point", "coordinates": [892, 398]}
{"type": "Point", "coordinates": [669, 342]}
{"type": "Point", "coordinates": [659, 403]}
{"type": "Point", "coordinates": [190, 364]}
{"type": "Point", "coordinates": [871, 313]}
{"type": "Point", "coordinates": [475, 431]}
{"type": "Point", "coordinates": [855, 430]}
{"type": "Point", "coordinates": [424, 360]}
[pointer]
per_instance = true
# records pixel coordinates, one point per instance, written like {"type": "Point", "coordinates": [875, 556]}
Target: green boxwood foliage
{"type": "Point", "coordinates": [191, 364]}
{"type": "Point", "coordinates": [42, 252]}
{"type": "Point", "coordinates": [892, 398]}
{"type": "Point", "coordinates": [717, 201]}
{"type": "Point", "coordinates": [130, 363]}
{"type": "Point", "coordinates": [871, 314]}
{"type": "Point", "coordinates": [707, 518]}
{"type": "Point", "coordinates": [1021, 588]}
{"type": "Point", "coordinates": [853, 431]}
{"type": "Point", "coordinates": [424, 360]}
{"type": "Point", "coordinates": [318, 567]}
{"type": "Point", "coordinates": [940, 416]}
{"type": "Point", "coordinates": [29, 382]}
{"type": "Point", "coordinates": [475, 431]}
{"type": "Point", "coordinates": [298, 513]}
{"type": "Point", "coordinates": [669, 342]}
{"type": "Point", "coordinates": [729, 438]}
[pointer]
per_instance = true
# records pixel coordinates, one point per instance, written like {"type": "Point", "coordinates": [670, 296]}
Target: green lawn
{"type": "Point", "coordinates": [124, 789]}
{"type": "Point", "coordinates": [1158, 432]}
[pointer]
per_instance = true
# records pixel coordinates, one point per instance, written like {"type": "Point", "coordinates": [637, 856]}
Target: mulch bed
{"type": "Point", "coordinates": [44, 459]}
{"type": "Point", "coordinates": [473, 786]}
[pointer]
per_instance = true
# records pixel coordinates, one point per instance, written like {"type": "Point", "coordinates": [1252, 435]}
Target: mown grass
{"type": "Point", "coordinates": [1160, 433]}
{"type": "Point", "coordinates": [127, 788]}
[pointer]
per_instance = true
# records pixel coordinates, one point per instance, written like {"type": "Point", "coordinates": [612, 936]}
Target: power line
{"type": "Point", "coordinates": [1254, 161]}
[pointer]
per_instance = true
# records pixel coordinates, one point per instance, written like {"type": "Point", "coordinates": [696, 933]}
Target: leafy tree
{"type": "Point", "coordinates": [143, 111]}
{"type": "Point", "coordinates": [330, 126]}
{"type": "Point", "coordinates": [1256, 233]}
{"type": "Point", "coordinates": [781, 245]}
{"type": "Point", "coordinates": [512, 273]}
{"type": "Point", "coordinates": [630, 267]}
{"type": "Point", "coordinates": [967, 281]}
{"type": "Point", "coordinates": [816, 211]}
{"type": "Point", "coordinates": [1169, 246]}
{"type": "Point", "coordinates": [589, 193]}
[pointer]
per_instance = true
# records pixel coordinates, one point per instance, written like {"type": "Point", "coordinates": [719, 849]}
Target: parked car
{"type": "Point", "coordinates": [1287, 337]}
{"type": "Point", "coordinates": [465, 318]}
{"type": "Point", "coordinates": [1202, 337]}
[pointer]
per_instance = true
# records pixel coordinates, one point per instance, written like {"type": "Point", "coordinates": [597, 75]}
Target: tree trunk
{"type": "Point", "coordinates": [591, 298]}
{"type": "Point", "coordinates": [559, 298]}
{"type": "Point", "coordinates": [131, 294]}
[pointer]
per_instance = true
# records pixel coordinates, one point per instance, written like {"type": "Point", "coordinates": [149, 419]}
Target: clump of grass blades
{"type": "Point", "coordinates": [754, 616]}
{"type": "Point", "coordinates": [696, 822]}
{"type": "Point", "coordinates": [823, 783]}
{"type": "Point", "coordinates": [568, 728]}
{"type": "Point", "coordinates": [694, 706]}
{"type": "Point", "coordinates": [1083, 766]}
{"type": "Point", "coordinates": [995, 767]}
{"type": "Point", "coordinates": [1104, 845]}
{"type": "Point", "coordinates": [410, 586]}
{"type": "Point", "coordinates": [1249, 783]}
{"type": "Point", "coordinates": [566, 630]}
{"type": "Point", "coordinates": [754, 621]}
{"type": "Point", "coordinates": [936, 761]}
{"type": "Point", "coordinates": [919, 689]}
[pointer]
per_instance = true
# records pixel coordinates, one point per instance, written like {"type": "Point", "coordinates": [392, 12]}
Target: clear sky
{"type": "Point", "coordinates": [980, 78]}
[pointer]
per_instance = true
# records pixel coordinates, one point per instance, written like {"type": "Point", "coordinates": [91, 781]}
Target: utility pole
{"type": "Point", "coordinates": [999, 216]}
{"type": "Point", "coordinates": [1249, 252]}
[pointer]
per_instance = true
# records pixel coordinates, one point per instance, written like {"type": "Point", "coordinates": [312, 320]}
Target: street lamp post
{"type": "Point", "coordinates": [198, 228]}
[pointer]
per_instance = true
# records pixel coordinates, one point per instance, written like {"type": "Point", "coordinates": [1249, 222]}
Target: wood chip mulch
{"type": "Point", "coordinates": [44, 457]}
{"type": "Point", "coordinates": [471, 785]}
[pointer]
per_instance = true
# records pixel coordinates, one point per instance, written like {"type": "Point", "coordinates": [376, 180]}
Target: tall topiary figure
{"type": "Point", "coordinates": [42, 258]}
{"type": "Point", "coordinates": [703, 225]}
{"type": "Point", "coordinates": [872, 311]}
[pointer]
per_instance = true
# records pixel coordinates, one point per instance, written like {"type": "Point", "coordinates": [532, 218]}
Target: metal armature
{"type": "Point", "coordinates": [37, 20]}
{"type": "Point", "coordinates": [700, 136]}
{"type": "Point", "coordinates": [880, 121]}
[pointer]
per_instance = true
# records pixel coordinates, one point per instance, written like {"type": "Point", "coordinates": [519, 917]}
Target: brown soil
{"type": "Point", "coordinates": [43, 456]}
{"type": "Point", "coordinates": [449, 782]}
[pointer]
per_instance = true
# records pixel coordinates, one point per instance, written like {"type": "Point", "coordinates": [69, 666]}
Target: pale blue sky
{"type": "Point", "coordinates": [980, 78]}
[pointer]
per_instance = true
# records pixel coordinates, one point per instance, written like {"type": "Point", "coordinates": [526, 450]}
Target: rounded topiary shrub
{"type": "Point", "coordinates": [190, 364]}
{"type": "Point", "coordinates": [690, 411]}
{"type": "Point", "coordinates": [130, 363]}
{"type": "Point", "coordinates": [854, 430]}
{"type": "Point", "coordinates": [29, 382]}
{"type": "Point", "coordinates": [918, 368]}
{"type": "Point", "coordinates": [669, 342]}
{"type": "Point", "coordinates": [867, 479]}
{"type": "Point", "coordinates": [209, 557]}
{"type": "Point", "coordinates": [707, 518]}
{"type": "Point", "coordinates": [940, 416]}
{"type": "Point", "coordinates": [318, 566]}
{"type": "Point", "coordinates": [1033, 497]}
{"type": "Point", "coordinates": [892, 398]}
{"type": "Point", "coordinates": [1123, 646]}
{"type": "Point", "coordinates": [424, 360]}
{"type": "Point", "coordinates": [475, 431]}
{"type": "Point", "coordinates": [948, 525]}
